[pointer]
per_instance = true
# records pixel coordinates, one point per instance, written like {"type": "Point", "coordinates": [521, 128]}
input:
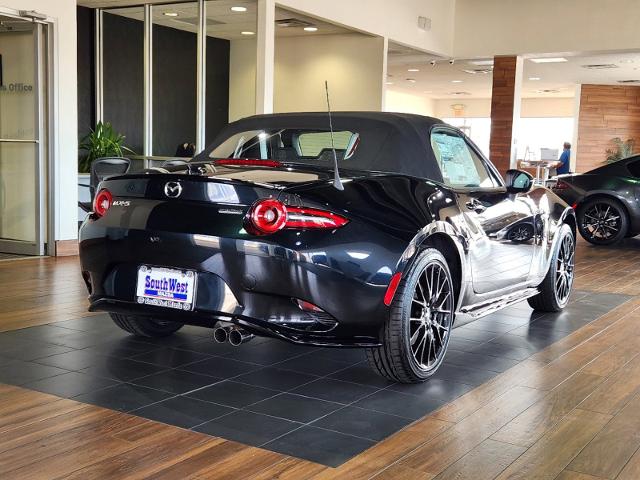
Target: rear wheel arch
{"type": "Point", "coordinates": [603, 196]}
{"type": "Point", "coordinates": [447, 246]}
{"type": "Point", "coordinates": [611, 199]}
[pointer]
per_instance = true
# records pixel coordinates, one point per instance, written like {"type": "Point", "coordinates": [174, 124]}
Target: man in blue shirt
{"type": "Point", "coordinates": [565, 159]}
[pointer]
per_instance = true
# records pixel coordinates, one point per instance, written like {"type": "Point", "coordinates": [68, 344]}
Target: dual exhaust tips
{"type": "Point", "coordinates": [234, 335]}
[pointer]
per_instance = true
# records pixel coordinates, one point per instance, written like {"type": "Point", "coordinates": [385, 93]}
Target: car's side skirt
{"type": "Point", "coordinates": [473, 312]}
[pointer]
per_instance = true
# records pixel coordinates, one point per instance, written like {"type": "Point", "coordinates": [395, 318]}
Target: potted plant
{"type": "Point", "coordinates": [622, 149]}
{"type": "Point", "coordinates": [100, 142]}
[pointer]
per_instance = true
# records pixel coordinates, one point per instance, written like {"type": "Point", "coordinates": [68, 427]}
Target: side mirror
{"type": "Point", "coordinates": [518, 181]}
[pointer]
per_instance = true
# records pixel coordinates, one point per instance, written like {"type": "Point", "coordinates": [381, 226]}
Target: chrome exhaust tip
{"type": "Point", "coordinates": [221, 334]}
{"type": "Point", "coordinates": [238, 336]}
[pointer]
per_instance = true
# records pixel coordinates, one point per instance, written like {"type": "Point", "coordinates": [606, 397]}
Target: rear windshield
{"type": "Point", "coordinates": [290, 146]}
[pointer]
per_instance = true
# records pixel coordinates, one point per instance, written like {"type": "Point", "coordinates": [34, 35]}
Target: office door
{"type": "Point", "coordinates": [22, 137]}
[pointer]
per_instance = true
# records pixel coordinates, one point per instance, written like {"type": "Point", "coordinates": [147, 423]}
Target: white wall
{"type": "Point", "coordinates": [242, 79]}
{"type": "Point", "coordinates": [531, 107]}
{"type": "Point", "coordinates": [407, 103]}
{"type": "Point", "coordinates": [351, 63]}
{"type": "Point", "coordinates": [65, 170]}
{"type": "Point", "coordinates": [397, 19]}
{"type": "Point", "coordinates": [500, 27]}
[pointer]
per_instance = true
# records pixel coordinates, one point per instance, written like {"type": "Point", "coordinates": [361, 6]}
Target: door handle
{"type": "Point", "coordinates": [476, 206]}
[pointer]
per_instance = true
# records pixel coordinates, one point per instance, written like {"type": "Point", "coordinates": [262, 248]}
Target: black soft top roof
{"type": "Point", "coordinates": [389, 142]}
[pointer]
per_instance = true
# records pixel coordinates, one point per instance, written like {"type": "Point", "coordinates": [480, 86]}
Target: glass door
{"type": "Point", "coordinates": [22, 141]}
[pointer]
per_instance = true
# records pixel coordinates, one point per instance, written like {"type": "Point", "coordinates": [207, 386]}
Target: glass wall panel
{"type": "Point", "coordinates": [175, 43]}
{"type": "Point", "coordinates": [123, 73]}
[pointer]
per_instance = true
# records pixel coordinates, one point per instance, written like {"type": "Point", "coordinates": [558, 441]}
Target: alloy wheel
{"type": "Point", "coordinates": [431, 317]}
{"type": "Point", "coordinates": [565, 270]}
{"type": "Point", "coordinates": [602, 221]}
{"type": "Point", "coordinates": [521, 233]}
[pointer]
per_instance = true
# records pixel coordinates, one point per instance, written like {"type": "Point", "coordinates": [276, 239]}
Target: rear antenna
{"type": "Point", "coordinates": [337, 183]}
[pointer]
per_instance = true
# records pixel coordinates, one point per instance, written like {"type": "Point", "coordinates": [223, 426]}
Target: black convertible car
{"type": "Point", "coordinates": [607, 200]}
{"type": "Point", "coordinates": [255, 237]}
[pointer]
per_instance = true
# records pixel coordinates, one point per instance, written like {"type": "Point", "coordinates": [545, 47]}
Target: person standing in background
{"type": "Point", "coordinates": [563, 165]}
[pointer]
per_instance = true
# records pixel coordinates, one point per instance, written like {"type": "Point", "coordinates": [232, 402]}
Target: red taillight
{"type": "Point", "coordinates": [102, 202]}
{"type": "Point", "coordinates": [251, 162]}
{"type": "Point", "coordinates": [391, 289]}
{"type": "Point", "coordinates": [313, 218]}
{"type": "Point", "coordinates": [268, 216]}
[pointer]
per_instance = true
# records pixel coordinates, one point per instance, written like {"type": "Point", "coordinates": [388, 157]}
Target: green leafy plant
{"type": "Point", "coordinates": [622, 149]}
{"type": "Point", "coordinates": [101, 141]}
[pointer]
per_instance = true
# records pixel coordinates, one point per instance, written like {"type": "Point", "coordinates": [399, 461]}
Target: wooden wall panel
{"type": "Point", "coordinates": [502, 106]}
{"type": "Point", "coordinates": [606, 111]}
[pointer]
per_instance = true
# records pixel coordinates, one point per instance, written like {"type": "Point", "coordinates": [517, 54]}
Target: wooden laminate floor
{"type": "Point", "coordinates": [570, 411]}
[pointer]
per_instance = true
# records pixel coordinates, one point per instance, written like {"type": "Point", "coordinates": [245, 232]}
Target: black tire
{"type": "Point", "coordinates": [602, 221]}
{"type": "Point", "coordinates": [145, 326]}
{"type": "Point", "coordinates": [554, 291]}
{"type": "Point", "coordinates": [413, 322]}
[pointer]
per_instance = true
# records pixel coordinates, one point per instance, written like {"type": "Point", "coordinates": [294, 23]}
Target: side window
{"type": "Point", "coordinates": [634, 168]}
{"type": "Point", "coordinates": [459, 164]}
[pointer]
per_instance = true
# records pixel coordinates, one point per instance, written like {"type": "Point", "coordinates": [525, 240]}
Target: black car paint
{"type": "Point", "coordinates": [345, 271]}
{"type": "Point", "coordinates": [614, 181]}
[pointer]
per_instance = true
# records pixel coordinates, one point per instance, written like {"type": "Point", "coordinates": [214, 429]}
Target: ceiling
{"type": "Point", "coordinates": [449, 81]}
{"type": "Point", "coordinates": [222, 22]}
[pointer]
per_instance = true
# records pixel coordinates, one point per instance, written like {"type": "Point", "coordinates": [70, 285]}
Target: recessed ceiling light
{"type": "Point", "coordinates": [549, 60]}
{"type": "Point", "coordinates": [627, 60]}
{"type": "Point", "coordinates": [533, 79]}
{"type": "Point", "coordinates": [238, 9]}
{"type": "Point", "coordinates": [413, 70]}
{"type": "Point", "coordinates": [247, 33]}
{"type": "Point", "coordinates": [456, 81]}
{"type": "Point", "coordinates": [310, 29]}
{"type": "Point", "coordinates": [170, 14]}
{"type": "Point", "coordinates": [411, 80]}
{"type": "Point", "coordinates": [389, 83]}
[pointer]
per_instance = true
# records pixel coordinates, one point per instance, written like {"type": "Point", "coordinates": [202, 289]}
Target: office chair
{"type": "Point", "coordinates": [102, 168]}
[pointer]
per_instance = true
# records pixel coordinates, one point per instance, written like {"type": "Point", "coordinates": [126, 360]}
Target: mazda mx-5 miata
{"type": "Point", "coordinates": [606, 200]}
{"type": "Point", "coordinates": [260, 234]}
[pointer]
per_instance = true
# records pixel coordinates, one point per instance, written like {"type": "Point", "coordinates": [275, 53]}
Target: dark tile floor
{"type": "Point", "coordinates": [323, 405]}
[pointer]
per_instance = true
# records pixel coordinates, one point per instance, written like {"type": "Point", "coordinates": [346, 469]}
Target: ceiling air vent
{"type": "Point", "coordinates": [629, 81]}
{"type": "Point", "coordinates": [600, 66]}
{"type": "Point", "coordinates": [194, 21]}
{"type": "Point", "coordinates": [548, 90]}
{"type": "Point", "coordinates": [458, 93]}
{"type": "Point", "coordinates": [476, 71]}
{"type": "Point", "coordinates": [292, 23]}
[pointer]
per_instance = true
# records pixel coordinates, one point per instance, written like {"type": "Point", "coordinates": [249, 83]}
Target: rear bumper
{"type": "Point", "coordinates": [253, 325]}
{"type": "Point", "coordinates": [247, 282]}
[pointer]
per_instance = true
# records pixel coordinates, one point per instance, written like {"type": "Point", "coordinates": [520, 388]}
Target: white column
{"type": "Point", "coordinates": [265, 56]}
{"type": "Point", "coordinates": [201, 82]}
{"type": "Point", "coordinates": [99, 65]}
{"type": "Point", "coordinates": [576, 123]}
{"type": "Point", "coordinates": [385, 56]}
{"type": "Point", "coordinates": [517, 104]}
{"type": "Point", "coordinates": [148, 84]}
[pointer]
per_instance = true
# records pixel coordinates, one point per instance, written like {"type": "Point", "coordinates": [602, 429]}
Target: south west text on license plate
{"type": "Point", "coordinates": [166, 287]}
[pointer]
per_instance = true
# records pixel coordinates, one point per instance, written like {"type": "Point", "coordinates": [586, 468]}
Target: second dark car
{"type": "Point", "coordinates": [606, 200]}
{"type": "Point", "coordinates": [254, 236]}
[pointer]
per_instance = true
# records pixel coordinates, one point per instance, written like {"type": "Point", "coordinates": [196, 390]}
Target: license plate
{"type": "Point", "coordinates": [166, 287]}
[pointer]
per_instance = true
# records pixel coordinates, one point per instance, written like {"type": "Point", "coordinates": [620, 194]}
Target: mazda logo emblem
{"type": "Point", "coordinates": [172, 189]}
